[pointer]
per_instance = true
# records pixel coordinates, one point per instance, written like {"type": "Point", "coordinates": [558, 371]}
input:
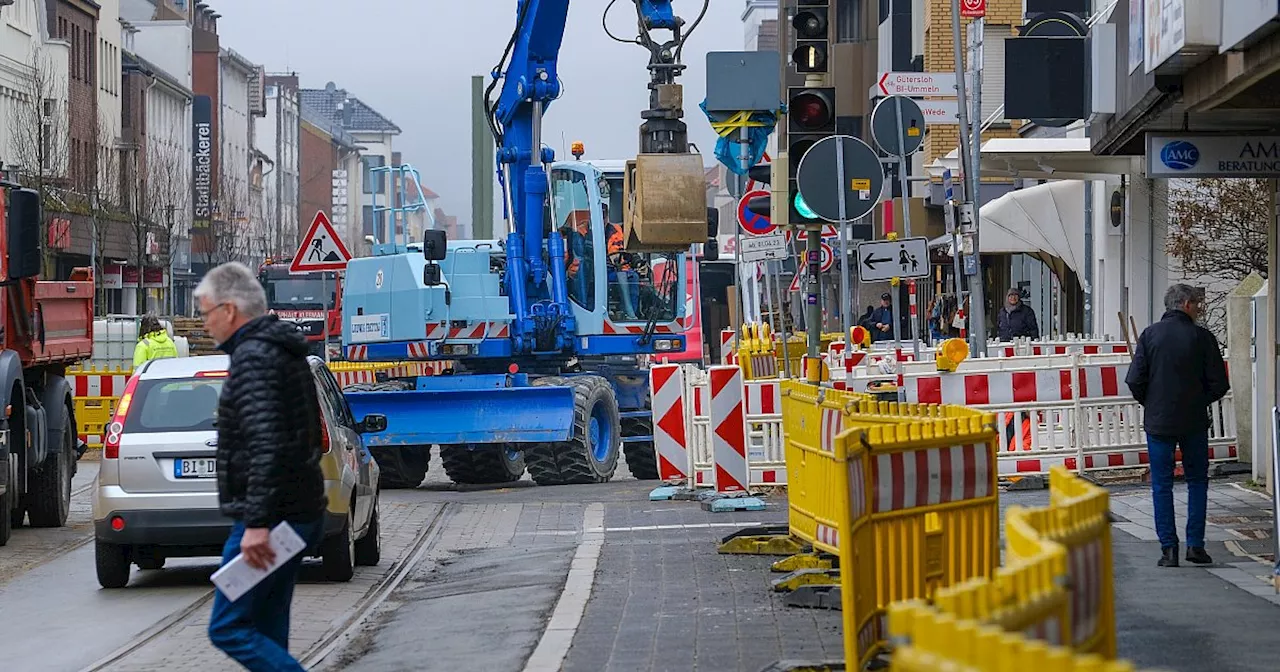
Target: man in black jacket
{"type": "Point", "coordinates": [1016, 319]}
{"type": "Point", "coordinates": [880, 324]}
{"type": "Point", "coordinates": [268, 460]}
{"type": "Point", "coordinates": [1177, 371]}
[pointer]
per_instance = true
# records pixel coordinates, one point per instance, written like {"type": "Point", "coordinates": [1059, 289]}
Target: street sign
{"type": "Point", "coordinates": [888, 259]}
{"type": "Point", "coordinates": [752, 223]}
{"type": "Point", "coordinates": [321, 249]}
{"type": "Point", "coordinates": [752, 185]}
{"type": "Point", "coordinates": [948, 187]}
{"type": "Point", "coordinates": [939, 111]}
{"type": "Point", "coordinates": [915, 84]}
{"type": "Point", "coordinates": [821, 185]}
{"type": "Point", "coordinates": [828, 257]}
{"type": "Point", "coordinates": [893, 135]}
{"type": "Point", "coordinates": [973, 9]}
{"type": "Point", "coordinates": [764, 248]}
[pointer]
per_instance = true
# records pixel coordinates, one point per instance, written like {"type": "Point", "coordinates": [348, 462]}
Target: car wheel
{"type": "Point", "coordinates": [337, 553]}
{"type": "Point", "coordinates": [369, 547]}
{"type": "Point", "coordinates": [112, 563]}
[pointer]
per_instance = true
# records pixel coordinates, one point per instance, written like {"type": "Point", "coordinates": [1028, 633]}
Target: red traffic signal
{"type": "Point", "coordinates": [811, 110]}
{"type": "Point", "coordinates": [810, 23]}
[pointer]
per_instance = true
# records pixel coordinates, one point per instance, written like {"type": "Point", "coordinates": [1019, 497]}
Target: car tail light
{"type": "Point", "coordinates": [324, 435]}
{"type": "Point", "coordinates": [211, 374]}
{"type": "Point", "coordinates": [115, 428]}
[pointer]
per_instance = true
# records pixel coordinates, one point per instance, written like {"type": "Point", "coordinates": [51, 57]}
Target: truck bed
{"type": "Point", "coordinates": [63, 321]}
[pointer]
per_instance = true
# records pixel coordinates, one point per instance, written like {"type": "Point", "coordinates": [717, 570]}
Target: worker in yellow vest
{"type": "Point", "coordinates": [153, 342]}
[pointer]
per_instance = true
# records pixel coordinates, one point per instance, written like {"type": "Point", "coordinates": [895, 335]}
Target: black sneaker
{"type": "Point", "coordinates": [1198, 555]}
{"type": "Point", "coordinates": [1169, 556]}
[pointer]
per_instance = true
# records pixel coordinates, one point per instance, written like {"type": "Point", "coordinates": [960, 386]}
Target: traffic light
{"type": "Point", "coordinates": [761, 174]}
{"type": "Point", "coordinates": [811, 116]}
{"type": "Point", "coordinates": [811, 26]}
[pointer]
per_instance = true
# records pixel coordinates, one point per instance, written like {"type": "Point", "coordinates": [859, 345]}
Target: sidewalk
{"type": "Point", "coordinates": [1224, 617]}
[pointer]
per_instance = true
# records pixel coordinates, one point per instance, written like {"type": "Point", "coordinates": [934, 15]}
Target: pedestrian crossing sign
{"type": "Point", "coordinates": [321, 249]}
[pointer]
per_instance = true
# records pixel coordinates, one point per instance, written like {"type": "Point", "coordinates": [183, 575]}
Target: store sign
{"type": "Point", "coordinates": [1165, 26]}
{"type": "Point", "coordinates": [1244, 19]}
{"type": "Point", "coordinates": [1194, 156]}
{"type": "Point", "coordinates": [153, 278]}
{"type": "Point", "coordinates": [202, 164]}
{"type": "Point", "coordinates": [113, 276]}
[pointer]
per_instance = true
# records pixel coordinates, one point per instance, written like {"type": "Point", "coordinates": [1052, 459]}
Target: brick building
{"type": "Point", "coordinates": [328, 171]}
{"type": "Point", "coordinates": [76, 21]}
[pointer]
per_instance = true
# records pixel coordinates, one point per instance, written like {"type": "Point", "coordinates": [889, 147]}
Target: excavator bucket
{"type": "Point", "coordinates": [665, 209]}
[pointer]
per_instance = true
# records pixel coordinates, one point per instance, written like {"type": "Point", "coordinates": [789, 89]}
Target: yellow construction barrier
{"type": "Point", "coordinates": [1050, 607]}
{"type": "Point", "coordinates": [903, 494]}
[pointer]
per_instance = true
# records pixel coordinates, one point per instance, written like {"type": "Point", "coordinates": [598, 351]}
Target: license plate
{"type": "Point", "coordinates": [196, 467]}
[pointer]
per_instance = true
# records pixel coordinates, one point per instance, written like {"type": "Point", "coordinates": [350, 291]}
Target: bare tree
{"type": "Point", "coordinates": [1217, 229]}
{"type": "Point", "coordinates": [39, 128]}
{"type": "Point", "coordinates": [169, 194]}
{"type": "Point", "coordinates": [232, 232]}
{"type": "Point", "coordinates": [108, 202]}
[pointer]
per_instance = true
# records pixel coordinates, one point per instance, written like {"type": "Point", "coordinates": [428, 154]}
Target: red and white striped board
{"type": "Point", "coordinates": [831, 426]}
{"type": "Point", "coordinates": [1061, 349]}
{"type": "Point", "coordinates": [98, 384]}
{"type": "Point", "coordinates": [357, 353]}
{"type": "Point", "coordinates": [1084, 567]}
{"type": "Point", "coordinates": [670, 440]}
{"type": "Point", "coordinates": [764, 365]}
{"type": "Point", "coordinates": [728, 346]}
{"type": "Point", "coordinates": [470, 332]}
{"type": "Point", "coordinates": [728, 430]}
{"type": "Point", "coordinates": [764, 397]}
{"type": "Point", "coordinates": [1108, 460]}
{"type": "Point", "coordinates": [1008, 387]}
{"type": "Point", "coordinates": [931, 476]}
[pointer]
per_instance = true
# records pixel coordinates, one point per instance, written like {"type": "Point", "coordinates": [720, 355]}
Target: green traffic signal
{"type": "Point", "coordinates": [803, 208]}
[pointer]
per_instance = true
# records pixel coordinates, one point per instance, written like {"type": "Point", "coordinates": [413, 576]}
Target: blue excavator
{"type": "Point", "coordinates": [552, 327]}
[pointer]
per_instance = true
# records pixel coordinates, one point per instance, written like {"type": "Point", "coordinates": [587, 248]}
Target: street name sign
{"type": "Point", "coordinates": [888, 259]}
{"type": "Point", "coordinates": [915, 84]}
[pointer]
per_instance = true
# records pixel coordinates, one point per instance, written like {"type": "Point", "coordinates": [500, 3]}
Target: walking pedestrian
{"type": "Point", "coordinates": [153, 341]}
{"type": "Point", "coordinates": [1177, 371]}
{"type": "Point", "coordinates": [1017, 319]}
{"type": "Point", "coordinates": [268, 461]}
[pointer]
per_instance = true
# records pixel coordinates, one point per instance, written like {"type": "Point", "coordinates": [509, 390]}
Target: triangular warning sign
{"type": "Point", "coordinates": [321, 249]}
{"type": "Point", "coordinates": [795, 283]}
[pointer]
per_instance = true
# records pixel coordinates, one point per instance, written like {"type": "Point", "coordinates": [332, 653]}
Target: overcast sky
{"type": "Point", "coordinates": [413, 62]}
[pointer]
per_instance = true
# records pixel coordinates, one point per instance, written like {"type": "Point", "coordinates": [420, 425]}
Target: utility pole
{"type": "Point", "coordinates": [970, 159]}
{"type": "Point", "coordinates": [482, 165]}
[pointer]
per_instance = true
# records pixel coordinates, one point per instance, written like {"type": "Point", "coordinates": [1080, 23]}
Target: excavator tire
{"type": "Point", "coordinates": [402, 467]}
{"type": "Point", "coordinates": [642, 459]}
{"type": "Point", "coordinates": [468, 464]}
{"type": "Point", "coordinates": [591, 455]}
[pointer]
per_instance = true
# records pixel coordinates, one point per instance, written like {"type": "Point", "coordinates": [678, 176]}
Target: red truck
{"type": "Point", "coordinates": [312, 301]}
{"type": "Point", "coordinates": [45, 327]}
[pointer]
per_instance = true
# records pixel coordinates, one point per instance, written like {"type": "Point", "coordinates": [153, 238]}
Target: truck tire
{"type": "Point", "coordinates": [591, 455]}
{"type": "Point", "coordinates": [472, 464]}
{"type": "Point", "coordinates": [49, 501]}
{"type": "Point", "coordinates": [642, 459]}
{"type": "Point", "coordinates": [112, 563]}
{"type": "Point", "coordinates": [401, 468]}
{"type": "Point", "coordinates": [8, 476]}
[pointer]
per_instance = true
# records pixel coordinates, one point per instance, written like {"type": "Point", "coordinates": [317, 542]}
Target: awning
{"type": "Point", "coordinates": [1040, 158]}
{"type": "Point", "coordinates": [1046, 221]}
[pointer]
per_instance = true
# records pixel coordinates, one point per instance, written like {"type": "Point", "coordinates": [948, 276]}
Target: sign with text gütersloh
{"type": "Point", "coordinates": [888, 259]}
{"type": "Point", "coordinates": [321, 249]}
{"type": "Point", "coordinates": [973, 9]}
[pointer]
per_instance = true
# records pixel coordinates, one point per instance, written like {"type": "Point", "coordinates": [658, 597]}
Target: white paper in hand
{"type": "Point", "coordinates": [237, 577]}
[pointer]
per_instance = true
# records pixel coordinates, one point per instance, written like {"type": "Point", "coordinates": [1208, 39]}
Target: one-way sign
{"type": "Point", "coordinates": [888, 259]}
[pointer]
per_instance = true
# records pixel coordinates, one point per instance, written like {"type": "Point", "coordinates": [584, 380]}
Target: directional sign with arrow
{"type": "Point", "coordinates": [888, 259]}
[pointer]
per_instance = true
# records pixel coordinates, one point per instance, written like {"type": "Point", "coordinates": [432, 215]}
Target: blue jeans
{"type": "Point", "coordinates": [254, 630]}
{"type": "Point", "coordinates": [1195, 467]}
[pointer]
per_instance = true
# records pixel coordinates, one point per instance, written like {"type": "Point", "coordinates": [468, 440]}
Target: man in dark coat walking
{"type": "Point", "coordinates": [1016, 319]}
{"type": "Point", "coordinates": [1176, 373]}
{"type": "Point", "coordinates": [268, 455]}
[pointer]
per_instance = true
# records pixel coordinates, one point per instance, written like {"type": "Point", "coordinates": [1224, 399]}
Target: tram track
{"type": "Point", "coordinates": [328, 643]}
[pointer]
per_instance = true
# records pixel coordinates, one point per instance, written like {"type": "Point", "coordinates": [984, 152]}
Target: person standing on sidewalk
{"type": "Point", "coordinates": [268, 461]}
{"type": "Point", "coordinates": [1016, 319]}
{"type": "Point", "coordinates": [153, 341]}
{"type": "Point", "coordinates": [1177, 371]}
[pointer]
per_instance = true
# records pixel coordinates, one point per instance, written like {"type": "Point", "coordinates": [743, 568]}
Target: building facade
{"type": "Point", "coordinates": [109, 76]}
{"type": "Point", "coordinates": [278, 137]}
{"type": "Point", "coordinates": [33, 92]}
{"type": "Point", "coordinates": [329, 178]}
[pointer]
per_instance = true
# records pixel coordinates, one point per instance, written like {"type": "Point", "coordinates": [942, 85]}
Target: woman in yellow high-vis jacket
{"type": "Point", "coordinates": [153, 342]}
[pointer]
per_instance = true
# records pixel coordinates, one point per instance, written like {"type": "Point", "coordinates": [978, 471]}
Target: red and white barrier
{"type": "Point", "coordinates": [766, 460]}
{"type": "Point", "coordinates": [670, 440]}
{"type": "Point", "coordinates": [106, 383]}
{"type": "Point", "coordinates": [729, 430]}
{"type": "Point", "coordinates": [1084, 569]}
{"type": "Point", "coordinates": [728, 346]}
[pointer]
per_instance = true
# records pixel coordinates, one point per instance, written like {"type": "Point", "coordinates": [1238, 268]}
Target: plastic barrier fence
{"type": "Point", "coordinates": [1072, 410]}
{"type": "Point", "coordinates": [95, 390]}
{"type": "Point", "coordinates": [904, 494]}
{"type": "Point", "coordinates": [1056, 589]}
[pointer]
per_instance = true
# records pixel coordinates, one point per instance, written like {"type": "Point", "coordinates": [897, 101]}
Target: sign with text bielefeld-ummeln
{"type": "Point", "coordinates": [321, 249]}
{"type": "Point", "coordinates": [1186, 155]}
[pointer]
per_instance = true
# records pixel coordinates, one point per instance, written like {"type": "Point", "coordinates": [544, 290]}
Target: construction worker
{"type": "Point", "coordinates": [619, 263]}
{"type": "Point", "coordinates": [153, 342]}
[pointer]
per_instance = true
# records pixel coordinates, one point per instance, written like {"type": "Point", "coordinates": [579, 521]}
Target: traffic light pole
{"type": "Point", "coordinates": [971, 164]}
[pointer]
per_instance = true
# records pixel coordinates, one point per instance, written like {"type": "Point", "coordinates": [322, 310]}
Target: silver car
{"type": "Point", "coordinates": [156, 495]}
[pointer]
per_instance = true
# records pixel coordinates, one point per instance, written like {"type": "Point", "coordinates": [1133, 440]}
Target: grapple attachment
{"type": "Point", "coordinates": [666, 202]}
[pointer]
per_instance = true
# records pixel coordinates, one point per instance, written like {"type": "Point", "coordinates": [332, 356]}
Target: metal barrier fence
{"type": "Point", "coordinates": [96, 390]}
{"type": "Point", "coordinates": [766, 465]}
{"type": "Point", "coordinates": [1050, 607]}
{"type": "Point", "coordinates": [904, 494]}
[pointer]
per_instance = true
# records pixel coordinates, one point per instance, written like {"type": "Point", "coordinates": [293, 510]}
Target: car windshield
{"type": "Point", "coordinates": [299, 294]}
{"type": "Point", "coordinates": [174, 405]}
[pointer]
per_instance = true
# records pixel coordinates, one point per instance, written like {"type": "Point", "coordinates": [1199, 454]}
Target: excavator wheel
{"type": "Point", "coordinates": [471, 464]}
{"type": "Point", "coordinates": [642, 459]}
{"type": "Point", "coordinates": [402, 467]}
{"type": "Point", "coordinates": [591, 455]}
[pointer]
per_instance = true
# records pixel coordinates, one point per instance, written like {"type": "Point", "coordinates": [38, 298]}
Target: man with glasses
{"type": "Point", "coordinates": [1176, 373]}
{"type": "Point", "coordinates": [268, 460]}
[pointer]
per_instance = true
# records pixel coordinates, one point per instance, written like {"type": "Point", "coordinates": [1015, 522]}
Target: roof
{"type": "Point", "coordinates": [132, 60]}
{"type": "Point", "coordinates": [349, 112]}
{"type": "Point", "coordinates": [311, 116]}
